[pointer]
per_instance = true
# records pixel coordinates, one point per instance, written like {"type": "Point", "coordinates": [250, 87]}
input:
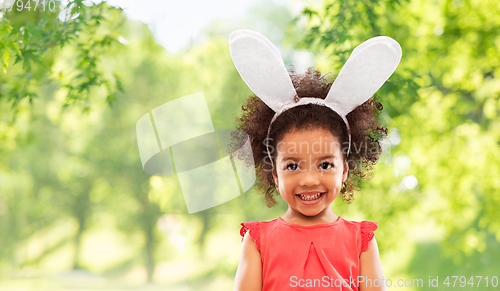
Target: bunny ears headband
{"type": "Point", "coordinates": [261, 66]}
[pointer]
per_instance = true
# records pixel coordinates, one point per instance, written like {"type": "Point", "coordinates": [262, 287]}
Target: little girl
{"type": "Point", "coordinates": [311, 140]}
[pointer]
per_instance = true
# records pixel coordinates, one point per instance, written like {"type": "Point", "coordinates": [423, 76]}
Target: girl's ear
{"type": "Point", "coordinates": [345, 173]}
{"type": "Point", "coordinates": [275, 177]}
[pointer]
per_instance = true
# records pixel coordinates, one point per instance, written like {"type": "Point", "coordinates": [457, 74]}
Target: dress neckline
{"type": "Point", "coordinates": [311, 226]}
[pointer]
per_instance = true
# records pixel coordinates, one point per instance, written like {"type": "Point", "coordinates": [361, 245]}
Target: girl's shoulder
{"type": "Point", "coordinates": [252, 224]}
{"type": "Point", "coordinates": [365, 229]}
{"type": "Point", "coordinates": [254, 229]}
{"type": "Point", "coordinates": [365, 224]}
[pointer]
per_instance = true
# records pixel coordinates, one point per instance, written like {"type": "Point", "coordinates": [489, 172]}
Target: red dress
{"type": "Point", "coordinates": [316, 257]}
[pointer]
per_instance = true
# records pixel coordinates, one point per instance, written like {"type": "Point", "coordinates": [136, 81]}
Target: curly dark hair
{"type": "Point", "coordinates": [366, 132]}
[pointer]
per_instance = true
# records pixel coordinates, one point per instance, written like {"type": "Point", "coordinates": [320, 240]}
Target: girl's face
{"type": "Point", "coordinates": [309, 170]}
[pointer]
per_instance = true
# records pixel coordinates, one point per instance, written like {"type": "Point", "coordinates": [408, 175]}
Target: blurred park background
{"type": "Point", "coordinates": [77, 212]}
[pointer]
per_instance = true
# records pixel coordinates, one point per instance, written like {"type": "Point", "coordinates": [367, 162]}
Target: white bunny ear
{"type": "Point", "coordinates": [369, 66]}
{"type": "Point", "coordinates": [261, 67]}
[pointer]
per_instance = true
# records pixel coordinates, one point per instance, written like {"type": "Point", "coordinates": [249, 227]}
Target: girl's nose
{"type": "Point", "coordinates": [309, 178]}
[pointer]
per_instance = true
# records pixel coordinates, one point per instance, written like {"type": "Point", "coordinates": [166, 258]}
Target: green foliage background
{"type": "Point", "coordinates": [74, 200]}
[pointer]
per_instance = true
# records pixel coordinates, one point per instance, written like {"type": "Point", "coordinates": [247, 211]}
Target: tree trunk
{"type": "Point", "coordinates": [149, 250]}
{"type": "Point", "coordinates": [78, 245]}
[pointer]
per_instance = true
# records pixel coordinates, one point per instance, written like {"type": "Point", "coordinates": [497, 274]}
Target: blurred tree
{"type": "Point", "coordinates": [49, 153]}
{"type": "Point", "coordinates": [31, 37]}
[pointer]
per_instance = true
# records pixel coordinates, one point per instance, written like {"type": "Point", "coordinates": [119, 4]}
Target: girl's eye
{"type": "Point", "coordinates": [291, 167]}
{"type": "Point", "coordinates": [326, 165]}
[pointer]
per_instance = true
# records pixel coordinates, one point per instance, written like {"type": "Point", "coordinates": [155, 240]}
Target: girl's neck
{"type": "Point", "coordinates": [295, 217]}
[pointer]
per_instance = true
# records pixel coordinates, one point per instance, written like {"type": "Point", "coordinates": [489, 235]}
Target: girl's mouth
{"type": "Point", "coordinates": [310, 199]}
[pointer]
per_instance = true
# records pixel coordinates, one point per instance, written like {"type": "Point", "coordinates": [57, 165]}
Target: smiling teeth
{"type": "Point", "coordinates": [304, 197]}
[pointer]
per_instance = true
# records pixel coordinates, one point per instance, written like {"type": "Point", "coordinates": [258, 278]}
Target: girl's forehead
{"type": "Point", "coordinates": [309, 135]}
{"type": "Point", "coordinates": [307, 142]}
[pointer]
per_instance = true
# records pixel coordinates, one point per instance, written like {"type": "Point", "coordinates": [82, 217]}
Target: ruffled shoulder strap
{"type": "Point", "coordinates": [367, 228]}
{"type": "Point", "coordinates": [254, 228]}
